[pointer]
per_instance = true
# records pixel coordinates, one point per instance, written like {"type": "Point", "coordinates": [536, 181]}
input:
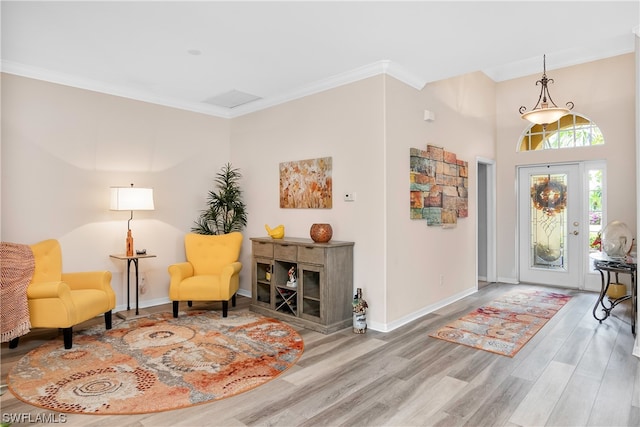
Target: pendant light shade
{"type": "Point", "coordinates": [545, 111]}
{"type": "Point", "coordinates": [545, 115]}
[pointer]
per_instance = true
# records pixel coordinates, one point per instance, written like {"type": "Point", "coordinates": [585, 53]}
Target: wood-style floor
{"type": "Point", "coordinates": [574, 372]}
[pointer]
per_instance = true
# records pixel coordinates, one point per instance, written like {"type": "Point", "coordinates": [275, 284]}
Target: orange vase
{"type": "Point", "coordinates": [321, 233]}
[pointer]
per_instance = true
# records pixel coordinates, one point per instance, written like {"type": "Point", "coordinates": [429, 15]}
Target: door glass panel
{"type": "Point", "coordinates": [596, 213]}
{"type": "Point", "coordinates": [549, 221]}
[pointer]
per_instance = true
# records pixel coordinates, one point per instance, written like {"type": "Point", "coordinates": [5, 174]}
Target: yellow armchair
{"type": "Point", "coordinates": [62, 300]}
{"type": "Point", "coordinates": [211, 272]}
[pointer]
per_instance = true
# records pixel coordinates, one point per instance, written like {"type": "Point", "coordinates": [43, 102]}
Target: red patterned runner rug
{"type": "Point", "coordinates": [505, 325]}
{"type": "Point", "coordinates": [157, 363]}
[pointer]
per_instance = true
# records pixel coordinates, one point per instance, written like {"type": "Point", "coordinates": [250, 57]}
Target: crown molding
{"type": "Point", "coordinates": [361, 73]}
{"type": "Point", "coordinates": [531, 66]}
{"type": "Point", "coordinates": [400, 73]}
{"type": "Point", "coordinates": [64, 79]}
{"type": "Point", "coordinates": [377, 68]}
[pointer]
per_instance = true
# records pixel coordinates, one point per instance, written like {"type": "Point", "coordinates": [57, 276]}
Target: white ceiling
{"type": "Point", "coordinates": [278, 51]}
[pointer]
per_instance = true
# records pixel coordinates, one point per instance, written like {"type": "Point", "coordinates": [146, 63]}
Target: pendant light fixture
{"type": "Point", "coordinates": [546, 111]}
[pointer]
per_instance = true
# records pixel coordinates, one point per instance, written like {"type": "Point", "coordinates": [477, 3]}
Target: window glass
{"type": "Point", "coordinates": [572, 130]}
{"type": "Point", "coordinates": [595, 176]}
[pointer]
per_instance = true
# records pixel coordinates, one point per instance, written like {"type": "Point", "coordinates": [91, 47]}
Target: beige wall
{"type": "Point", "coordinates": [417, 254]}
{"type": "Point", "coordinates": [347, 124]}
{"type": "Point", "coordinates": [603, 91]}
{"type": "Point", "coordinates": [62, 148]}
{"type": "Point", "coordinates": [368, 128]}
{"type": "Point", "coordinates": [636, 350]}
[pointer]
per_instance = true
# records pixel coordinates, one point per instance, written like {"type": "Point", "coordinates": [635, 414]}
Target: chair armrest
{"type": "Point", "coordinates": [230, 279]}
{"type": "Point", "coordinates": [100, 280]}
{"type": "Point", "coordinates": [179, 272]}
{"type": "Point", "coordinates": [230, 270]}
{"type": "Point", "coordinates": [48, 290]}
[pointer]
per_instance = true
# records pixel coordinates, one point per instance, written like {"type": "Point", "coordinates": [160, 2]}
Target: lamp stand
{"type": "Point", "coordinates": [129, 243]}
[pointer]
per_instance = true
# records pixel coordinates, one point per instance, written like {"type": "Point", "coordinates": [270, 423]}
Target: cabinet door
{"type": "Point", "coordinates": [311, 283]}
{"type": "Point", "coordinates": [262, 277]}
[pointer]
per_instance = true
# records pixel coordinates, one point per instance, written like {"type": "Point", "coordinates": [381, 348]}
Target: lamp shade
{"type": "Point", "coordinates": [131, 199]}
{"type": "Point", "coordinates": [544, 116]}
{"type": "Point", "coordinates": [545, 111]}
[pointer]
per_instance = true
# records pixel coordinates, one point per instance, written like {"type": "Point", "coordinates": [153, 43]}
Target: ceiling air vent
{"type": "Point", "coordinates": [231, 99]}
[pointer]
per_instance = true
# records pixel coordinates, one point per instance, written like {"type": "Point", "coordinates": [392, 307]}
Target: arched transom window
{"type": "Point", "coordinates": [572, 130]}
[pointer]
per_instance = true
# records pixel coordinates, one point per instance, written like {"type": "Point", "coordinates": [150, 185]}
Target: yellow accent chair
{"type": "Point", "coordinates": [63, 300]}
{"type": "Point", "coordinates": [211, 272]}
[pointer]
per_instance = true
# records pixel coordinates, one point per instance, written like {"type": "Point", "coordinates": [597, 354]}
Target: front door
{"type": "Point", "coordinates": [549, 206]}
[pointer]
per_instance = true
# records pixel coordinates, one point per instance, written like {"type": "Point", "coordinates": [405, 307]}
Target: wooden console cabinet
{"type": "Point", "coordinates": [322, 299]}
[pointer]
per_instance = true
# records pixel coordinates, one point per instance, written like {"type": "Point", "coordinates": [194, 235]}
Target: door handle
{"type": "Point", "coordinates": [576, 232]}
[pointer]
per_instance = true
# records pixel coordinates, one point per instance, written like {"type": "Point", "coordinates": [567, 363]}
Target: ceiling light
{"type": "Point", "coordinates": [543, 113]}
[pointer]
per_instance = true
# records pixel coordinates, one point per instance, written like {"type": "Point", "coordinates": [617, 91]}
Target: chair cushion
{"type": "Point", "coordinates": [90, 303]}
{"type": "Point", "coordinates": [48, 256]}
{"type": "Point", "coordinates": [210, 253]}
{"type": "Point", "coordinates": [203, 288]}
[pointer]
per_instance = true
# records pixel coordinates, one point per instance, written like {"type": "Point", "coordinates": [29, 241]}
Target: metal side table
{"type": "Point", "coordinates": [616, 265]}
{"type": "Point", "coordinates": [130, 259]}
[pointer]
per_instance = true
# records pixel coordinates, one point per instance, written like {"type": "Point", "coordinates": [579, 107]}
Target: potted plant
{"type": "Point", "coordinates": [226, 210]}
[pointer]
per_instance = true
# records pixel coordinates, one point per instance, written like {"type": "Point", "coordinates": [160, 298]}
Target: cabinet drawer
{"type": "Point", "coordinates": [285, 252]}
{"type": "Point", "coordinates": [263, 249]}
{"type": "Point", "coordinates": [311, 255]}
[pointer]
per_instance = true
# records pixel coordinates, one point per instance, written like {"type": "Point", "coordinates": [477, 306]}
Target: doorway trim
{"type": "Point", "coordinates": [491, 221]}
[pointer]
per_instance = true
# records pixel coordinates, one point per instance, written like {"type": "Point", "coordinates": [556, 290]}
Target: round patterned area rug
{"type": "Point", "coordinates": [156, 363]}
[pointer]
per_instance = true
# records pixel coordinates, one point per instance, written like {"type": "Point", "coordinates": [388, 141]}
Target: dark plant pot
{"type": "Point", "coordinates": [321, 233]}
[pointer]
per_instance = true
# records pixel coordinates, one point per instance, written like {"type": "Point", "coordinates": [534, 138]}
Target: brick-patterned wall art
{"type": "Point", "coordinates": [439, 186]}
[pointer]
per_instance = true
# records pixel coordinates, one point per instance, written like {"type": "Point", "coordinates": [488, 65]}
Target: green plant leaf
{"type": "Point", "coordinates": [226, 210]}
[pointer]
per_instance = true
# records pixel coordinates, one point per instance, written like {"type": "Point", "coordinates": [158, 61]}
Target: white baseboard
{"type": "Point", "coordinates": [388, 327]}
{"type": "Point", "coordinates": [166, 300]}
{"type": "Point", "coordinates": [244, 292]}
{"type": "Point", "coordinates": [143, 304]}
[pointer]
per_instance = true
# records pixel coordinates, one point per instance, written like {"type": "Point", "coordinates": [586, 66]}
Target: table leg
{"type": "Point", "coordinates": [600, 302]}
{"type": "Point", "coordinates": [128, 285]}
{"type": "Point", "coordinates": [135, 262]}
{"type": "Point", "coordinates": [634, 302]}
